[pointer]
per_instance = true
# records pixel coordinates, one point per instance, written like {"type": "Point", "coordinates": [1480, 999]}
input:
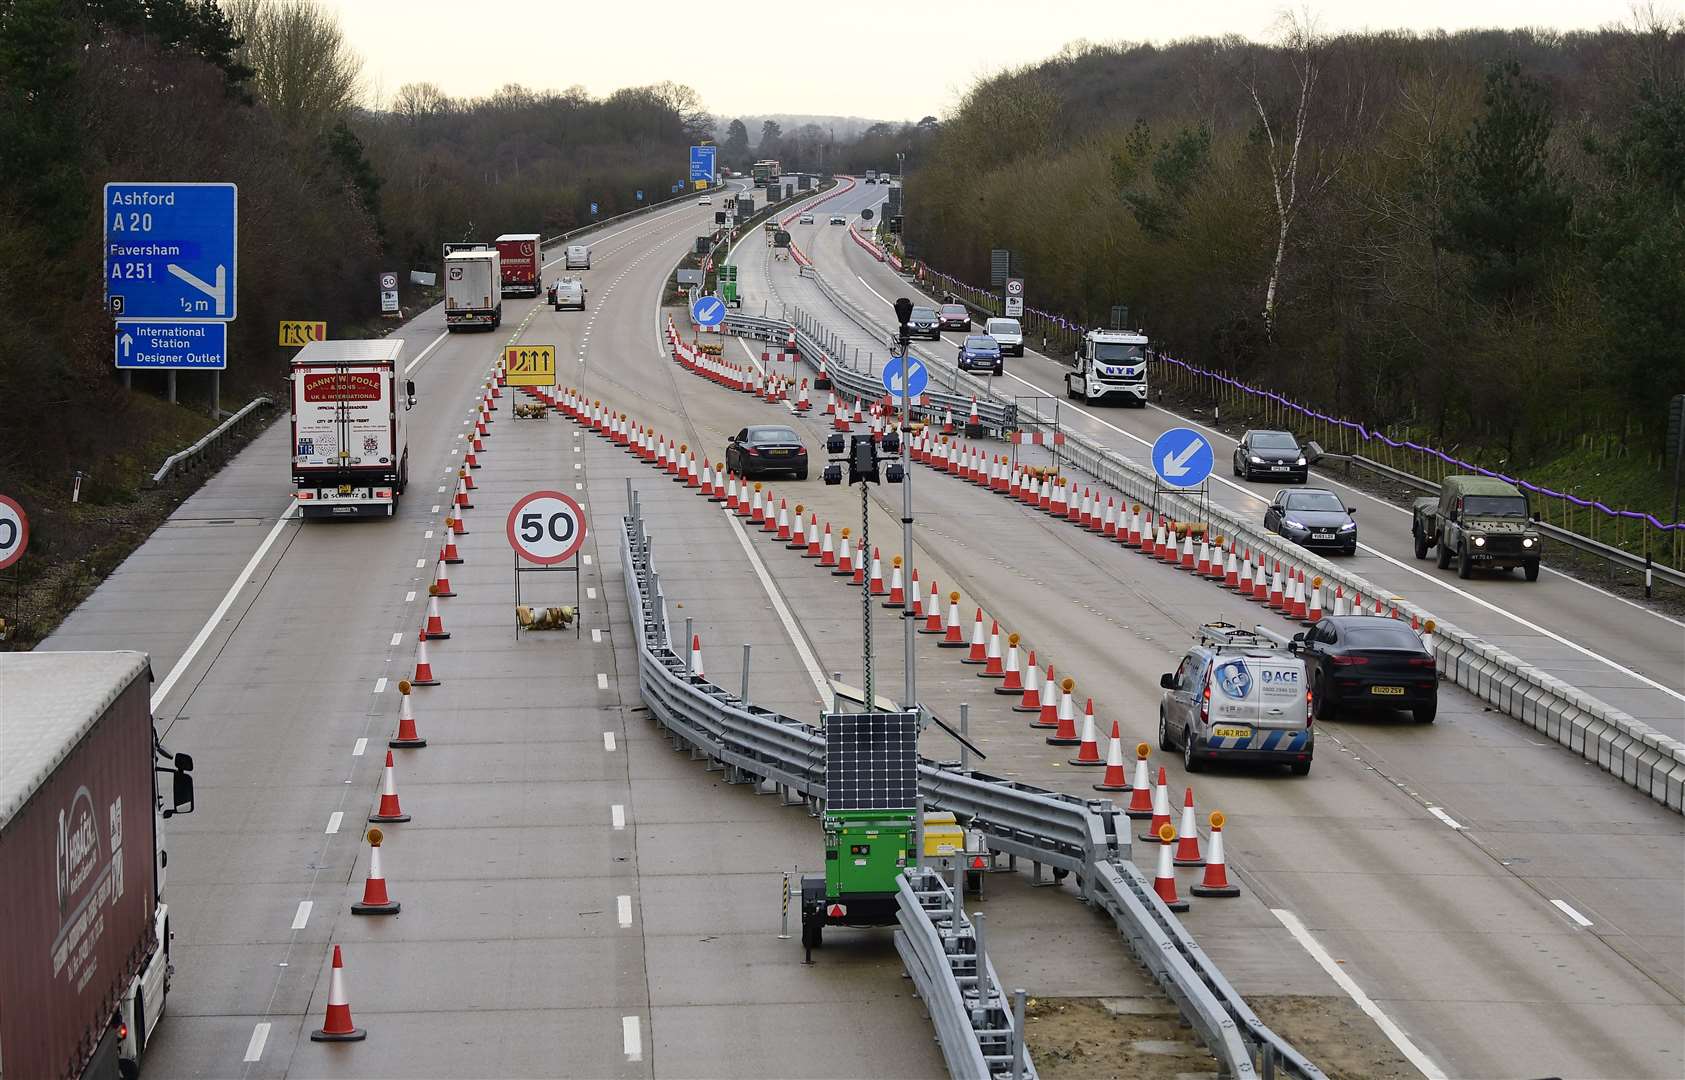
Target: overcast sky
{"type": "Point", "coordinates": [828, 57]}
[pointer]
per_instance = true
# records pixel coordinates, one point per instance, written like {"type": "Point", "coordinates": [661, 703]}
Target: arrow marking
{"type": "Point", "coordinates": [218, 292]}
{"type": "Point", "coordinates": [1177, 464]}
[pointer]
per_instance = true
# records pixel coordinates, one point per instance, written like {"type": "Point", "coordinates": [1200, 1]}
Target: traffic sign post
{"type": "Point", "coordinates": [171, 251]}
{"type": "Point", "coordinates": [295, 332]}
{"type": "Point", "coordinates": [1014, 298]}
{"type": "Point", "coordinates": [905, 376]}
{"type": "Point", "coordinates": [200, 346]}
{"type": "Point", "coordinates": [529, 365]}
{"type": "Point", "coordinates": [546, 528]}
{"type": "Point", "coordinates": [708, 312]}
{"type": "Point", "coordinates": [389, 293]}
{"type": "Point", "coordinates": [702, 163]}
{"type": "Point", "coordinates": [14, 531]}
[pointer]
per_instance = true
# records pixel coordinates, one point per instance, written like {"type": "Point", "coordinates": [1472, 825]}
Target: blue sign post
{"type": "Point", "coordinates": [708, 311]}
{"type": "Point", "coordinates": [1183, 458]}
{"type": "Point", "coordinates": [170, 251]}
{"type": "Point", "coordinates": [905, 371]}
{"type": "Point", "coordinates": [702, 163]}
{"type": "Point", "coordinates": [201, 346]}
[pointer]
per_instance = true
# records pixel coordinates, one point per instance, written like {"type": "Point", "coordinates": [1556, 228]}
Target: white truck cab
{"type": "Point", "coordinates": [1110, 363]}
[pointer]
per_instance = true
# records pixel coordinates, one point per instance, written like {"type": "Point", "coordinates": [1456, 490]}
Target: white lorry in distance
{"type": "Point", "coordinates": [578, 257]}
{"type": "Point", "coordinates": [350, 441]}
{"type": "Point", "coordinates": [473, 289]}
{"type": "Point", "coordinates": [1110, 363]}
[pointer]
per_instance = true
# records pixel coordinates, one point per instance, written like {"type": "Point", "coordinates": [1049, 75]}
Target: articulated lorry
{"type": "Point", "coordinates": [351, 454]}
{"type": "Point", "coordinates": [85, 952]}
{"type": "Point", "coordinates": [522, 260]}
{"type": "Point", "coordinates": [474, 288]}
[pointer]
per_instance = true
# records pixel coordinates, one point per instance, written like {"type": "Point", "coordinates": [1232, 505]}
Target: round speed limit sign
{"type": "Point", "coordinates": [546, 527]}
{"type": "Point", "coordinates": [14, 531]}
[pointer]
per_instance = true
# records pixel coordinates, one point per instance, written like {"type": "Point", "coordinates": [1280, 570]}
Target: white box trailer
{"type": "Point", "coordinates": [473, 289]}
{"type": "Point", "coordinates": [350, 441]}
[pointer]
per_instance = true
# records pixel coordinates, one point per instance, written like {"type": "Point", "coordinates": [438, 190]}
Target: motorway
{"type": "Point", "coordinates": [1454, 901]}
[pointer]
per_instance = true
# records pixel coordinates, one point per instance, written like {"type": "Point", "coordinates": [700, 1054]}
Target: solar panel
{"type": "Point", "coordinates": [871, 761]}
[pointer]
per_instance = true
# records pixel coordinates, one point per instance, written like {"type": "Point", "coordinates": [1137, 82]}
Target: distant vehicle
{"type": "Point", "coordinates": [578, 257]}
{"type": "Point", "coordinates": [981, 352]}
{"type": "Point", "coordinates": [1236, 696]}
{"type": "Point", "coordinates": [86, 952]}
{"type": "Point", "coordinates": [766, 172]}
{"type": "Point", "coordinates": [522, 263]}
{"type": "Point", "coordinates": [871, 176]}
{"type": "Point", "coordinates": [473, 289]}
{"type": "Point", "coordinates": [1008, 333]}
{"type": "Point", "coordinates": [1313, 518]}
{"type": "Point", "coordinates": [766, 448]}
{"type": "Point", "coordinates": [838, 219]}
{"type": "Point", "coordinates": [567, 292]}
{"type": "Point", "coordinates": [1368, 661]}
{"type": "Point", "coordinates": [955, 317]}
{"type": "Point", "coordinates": [1480, 521]}
{"type": "Point", "coordinates": [350, 442]}
{"type": "Point", "coordinates": [704, 200]}
{"type": "Point", "coordinates": [924, 322]}
{"type": "Point", "coordinates": [1275, 454]}
{"type": "Point", "coordinates": [1110, 363]}
{"type": "Point", "coordinates": [806, 218]}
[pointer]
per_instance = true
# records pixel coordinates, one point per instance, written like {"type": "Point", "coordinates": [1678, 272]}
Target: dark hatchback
{"type": "Point", "coordinates": [1369, 662]}
{"type": "Point", "coordinates": [1313, 518]}
{"type": "Point", "coordinates": [1274, 454]}
{"type": "Point", "coordinates": [767, 448]}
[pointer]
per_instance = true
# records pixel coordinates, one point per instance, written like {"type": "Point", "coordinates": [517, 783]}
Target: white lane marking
{"type": "Point", "coordinates": [409, 597]}
{"type": "Point", "coordinates": [358, 748]}
{"type": "Point", "coordinates": [577, 465]}
{"type": "Point", "coordinates": [753, 359]}
{"type": "Point", "coordinates": [1424, 1064]}
{"type": "Point", "coordinates": [380, 685]}
{"type": "Point", "coordinates": [630, 1039]}
{"type": "Point", "coordinates": [419, 563]}
{"type": "Point", "coordinates": [435, 509]}
{"type": "Point", "coordinates": [333, 822]}
{"type": "Point", "coordinates": [411, 366]}
{"type": "Point", "coordinates": [1443, 816]}
{"type": "Point", "coordinates": [260, 1036]}
{"type": "Point", "coordinates": [596, 635]}
{"type": "Point", "coordinates": [302, 916]}
{"type": "Point", "coordinates": [602, 680]}
{"type": "Point", "coordinates": [1563, 907]}
{"type": "Point", "coordinates": [590, 594]}
{"type": "Point", "coordinates": [608, 741]}
{"type": "Point", "coordinates": [587, 559]}
{"type": "Point", "coordinates": [617, 815]}
{"type": "Point", "coordinates": [579, 487]}
{"type": "Point", "coordinates": [820, 682]}
{"type": "Point", "coordinates": [428, 535]}
{"type": "Point", "coordinates": [204, 634]}
{"type": "Point", "coordinates": [397, 639]}
{"type": "Point", "coordinates": [441, 488]}
{"type": "Point", "coordinates": [624, 903]}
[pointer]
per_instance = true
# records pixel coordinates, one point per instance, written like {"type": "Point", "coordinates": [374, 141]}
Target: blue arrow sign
{"type": "Point", "coordinates": [593, 208]}
{"type": "Point", "coordinates": [1182, 457]}
{"type": "Point", "coordinates": [708, 311]}
{"type": "Point", "coordinates": [640, 194]}
{"type": "Point", "coordinates": [182, 344]}
{"type": "Point", "coordinates": [702, 162]}
{"type": "Point", "coordinates": [170, 251]}
{"type": "Point", "coordinates": [915, 377]}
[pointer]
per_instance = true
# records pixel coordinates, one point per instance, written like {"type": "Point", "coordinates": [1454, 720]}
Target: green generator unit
{"type": "Point", "coordinates": [727, 285]}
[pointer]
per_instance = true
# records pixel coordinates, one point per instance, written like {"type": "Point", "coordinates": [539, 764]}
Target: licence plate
{"type": "Point", "coordinates": [345, 489]}
{"type": "Point", "coordinates": [779, 453]}
{"type": "Point", "coordinates": [1231, 732]}
{"type": "Point", "coordinates": [1322, 536]}
{"type": "Point", "coordinates": [1387, 691]}
{"type": "Point", "coordinates": [1278, 468]}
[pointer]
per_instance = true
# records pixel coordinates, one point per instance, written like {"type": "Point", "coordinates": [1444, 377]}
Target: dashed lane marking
{"type": "Point", "coordinates": [624, 903]}
{"type": "Point", "coordinates": [333, 822]}
{"type": "Point", "coordinates": [260, 1036]}
{"type": "Point", "coordinates": [602, 680]}
{"type": "Point", "coordinates": [301, 916]}
{"type": "Point", "coordinates": [359, 747]}
{"type": "Point", "coordinates": [617, 816]}
{"type": "Point", "coordinates": [608, 741]}
{"type": "Point", "coordinates": [631, 1039]}
{"type": "Point", "coordinates": [380, 685]}
{"type": "Point", "coordinates": [1563, 907]}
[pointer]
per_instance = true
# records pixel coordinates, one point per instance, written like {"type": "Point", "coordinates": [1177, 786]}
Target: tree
{"type": "Point", "coordinates": [687, 104]}
{"type": "Point", "coordinates": [736, 145]}
{"type": "Point", "coordinates": [305, 71]}
{"type": "Point", "coordinates": [417, 103]}
{"type": "Point", "coordinates": [772, 140]}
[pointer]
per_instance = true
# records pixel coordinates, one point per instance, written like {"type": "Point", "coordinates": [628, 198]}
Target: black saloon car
{"type": "Point", "coordinates": [1368, 661]}
{"type": "Point", "coordinates": [1313, 518]}
{"type": "Point", "coordinates": [1274, 454]}
{"type": "Point", "coordinates": [766, 448]}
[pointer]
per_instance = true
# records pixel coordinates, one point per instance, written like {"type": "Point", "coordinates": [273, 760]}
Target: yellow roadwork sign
{"type": "Point", "coordinates": [300, 331]}
{"type": "Point", "coordinates": [530, 365]}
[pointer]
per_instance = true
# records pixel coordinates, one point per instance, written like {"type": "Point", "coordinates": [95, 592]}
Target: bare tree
{"type": "Point", "coordinates": [306, 72]}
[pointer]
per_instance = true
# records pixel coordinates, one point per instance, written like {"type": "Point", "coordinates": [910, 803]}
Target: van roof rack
{"type": "Point", "coordinates": [1220, 634]}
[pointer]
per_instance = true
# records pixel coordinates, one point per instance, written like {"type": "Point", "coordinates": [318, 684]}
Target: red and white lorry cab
{"type": "Point", "coordinates": [350, 442]}
{"type": "Point", "coordinates": [522, 257]}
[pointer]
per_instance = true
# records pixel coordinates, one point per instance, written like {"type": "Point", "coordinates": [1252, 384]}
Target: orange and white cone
{"type": "Point", "coordinates": [858, 577]}
{"type": "Point", "coordinates": [918, 597]}
{"type": "Point", "coordinates": [696, 673]}
{"type": "Point", "coordinates": [337, 1027]}
{"type": "Point", "coordinates": [449, 554]}
{"type": "Point", "coordinates": [1141, 790]}
{"type": "Point", "coordinates": [770, 524]}
{"type": "Point", "coordinates": [1089, 751]}
{"type": "Point", "coordinates": [407, 738]}
{"type": "Point", "coordinates": [876, 586]}
{"type": "Point", "coordinates": [423, 669]}
{"type": "Point", "coordinates": [798, 531]}
{"type": "Point", "coordinates": [441, 585]}
{"type": "Point", "coordinates": [1012, 681]}
{"type": "Point", "coordinates": [1031, 701]}
{"type": "Point", "coordinates": [462, 500]}
{"type": "Point", "coordinates": [827, 548]}
{"type": "Point", "coordinates": [1216, 879]}
{"type": "Point", "coordinates": [435, 629]}
{"type": "Point", "coordinates": [812, 551]}
{"type": "Point", "coordinates": [1066, 716]}
{"type": "Point", "coordinates": [1115, 779]}
{"type": "Point", "coordinates": [953, 638]}
{"type": "Point", "coordinates": [388, 810]}
{"type": "Point", "coordinates": [375, 900]}
{"type": "Point", "coordinates": [845, 561]}
{"type": "Point", "coordinates": [897, 590]}
{"type": "Point", "coordinates": [933, 612]}
{"type": "Point", "coordinates": [1047, 708]}
{"type": "Point", "coordinates": [1161, 806]}
{"type": "Point", "coordinates": [978, 653]}
{"type": "Point", "coordinates": [1313, 603]}
{"type": "Point", "coordinates": [1187, 835]}
{"type": "Point", "coordinates": [782, 530]}
{"type": "Point", "coordinates": [1164, 882]}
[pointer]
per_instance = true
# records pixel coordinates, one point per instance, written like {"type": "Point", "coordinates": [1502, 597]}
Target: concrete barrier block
{"type": "Point", "coordinates": [1623, 755]}
{"type": "Point", "coordinates": [1671, 780]}
{"type": "Point", "coordinates": [1645, 760]}
{"type": "Point", "coordinates": [1508, 685]}
{"type": "Point", "coordinates": [1533, 710]}
{"type": "Point", "coordinates": [1576, 724]}
{"type": "Point", "coordinates": [1601, 736]}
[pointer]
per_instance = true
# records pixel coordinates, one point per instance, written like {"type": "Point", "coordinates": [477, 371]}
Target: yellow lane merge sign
{"type": "Point", "coordinates": [530, 365]}
{"type": "Point", "coordinates": [299, 331]}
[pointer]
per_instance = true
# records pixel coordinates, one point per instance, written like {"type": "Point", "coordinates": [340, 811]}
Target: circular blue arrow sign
{"type": "Point", "coordinates": [1182, 457]}
{"type": "Point", "coordinates": [708, 311]}
{"type": "Point", "coordinates": [916, 376]}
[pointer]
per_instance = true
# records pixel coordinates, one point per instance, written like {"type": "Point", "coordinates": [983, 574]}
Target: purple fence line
{"type": "Point", "coordinates": [1363, 432]}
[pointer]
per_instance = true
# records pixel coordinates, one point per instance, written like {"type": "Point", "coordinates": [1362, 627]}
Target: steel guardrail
{"type": "Point", "coordinates": [192, 455]}
{"type": "Point", "coordinates": [583, 229]}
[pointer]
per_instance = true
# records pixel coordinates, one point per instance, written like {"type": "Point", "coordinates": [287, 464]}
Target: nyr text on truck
{"type": "Point", "coordinates": [85, 952]}
{"type": "Point", "coordinates": [473, 289]}
{"type": "Point", "coordinates": [350, 442]}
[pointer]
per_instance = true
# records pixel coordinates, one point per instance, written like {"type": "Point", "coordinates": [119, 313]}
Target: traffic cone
{"type": "Point", "coordinates": [876, 586]}
{"type": "Point", "coordinates": [918, 597]}
{"type": "Point", "coordinates": [757, 509]}
{"type": "Point", "coordinates": [441, 586]}
{"type": "Point", "coordinates": [435, 628]}
{"type": "Point", "coordinates": [1066, 732]}
{"type": "Point", "coordinates": [952, 638]}
{"type": "Point", "coordinates": [978, 653]}
{"type": "Point", "coordinates": [1276, 600]}
{"type": "Point", "coordinates": [1140, 791]}
{"type": "Point", "coordinates": [696, 673]}
{"type": "Point", "coordinates": [407, 738]}
{"type": "Point", "coordinates": [1012, 681]}
{"type": "Point", "coordinates": [897, 591]}
{"type": "Point", "coordinates": [858, 577]}
{"type": "Point", "coordinates": [1115, 778]}
{"type": "Point", "coordinates": [1089, 753]}
{"type": "Point", "coordinates": [1202, 566]}
{"type": "Point", "coordinates": [731, 492]}
{"type": "Point", "coordinates": [467, 478]}
{"type": "Point", "coordinates": [827, 549]}
{"type": "Point", "coordinates": [778, 522]}
{"type": "Point", "coordinates": [1164, 882]}
{"type": "Point", "coordinates": [423, 670]}
{"type": "Point", "coordinates": [448, 553]}
{"type": "Point", "coordinates": [1047, 710]}
{"type": "Point", "coordinates": [1231, 575]}
{"type": "Point", "coordinates": [1313, 604]}
{"type": "Point", "coordinates": [933, 616]}
{"type": "Point", "coordinates": [388, 810]}
{"type": "Point", "coordinates": [1031, 701]}
{"type": "Point", "coordinates": [1188, 552]}
{"type": "Point", "coordinates": [812, 551]}
{"type": "Point", "coordinates": [337, 1027]}
{"type": "Point", "coordinates": [462, 501]}
{"type": "Point", "coordinates": [375, 900]}
{"type": "Point", "coordinates": [1216, 879]}
{"type": "Point", "coordinates": [1187, 842]}
{"type": "Point", "coordinates": [845, 562]}
{"type": "Point", "coordinates": [1161, 806]}
{"type": "Point", "coordinates": [798, 531]}
{"type": "Point", "coordinates": [993, 668]}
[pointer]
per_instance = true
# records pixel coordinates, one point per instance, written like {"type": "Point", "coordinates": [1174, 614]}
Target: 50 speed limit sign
{"type": "Point", "coordinates": [546, 527]}
{"type": "Point", "coordinates": [14, 531]}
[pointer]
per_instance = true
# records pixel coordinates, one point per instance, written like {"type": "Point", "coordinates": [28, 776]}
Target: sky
{"type": "Point", "coordinates": [833, 58]}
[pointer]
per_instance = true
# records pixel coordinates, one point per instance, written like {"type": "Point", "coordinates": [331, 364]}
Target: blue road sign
{"type": "Point", "coordinates": [916, 378]}
{"type": "Point", "coordinates": [708, 311]}
{"type": "Point", "coordinates": [593, 208]}
{"type": "Point", "coordinates": [702, 162]}
{"type": "Point", "coordinates": [1182, 457]}
{"type": "Point", "coordinates": [158, 345]}
{"type": "Point", "coordinates": [170, 251]}
{"type": "Point", "coordinates": [640, 195]}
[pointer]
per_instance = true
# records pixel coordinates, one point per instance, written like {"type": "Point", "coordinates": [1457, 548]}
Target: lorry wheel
{"type": "Point", "coordinates": [1465, 562]}
{"type": "Point", "coordinates": [1421, 543]}
{"type": "Point", "coordinates": [1070, 391]}
{"type": "Point", "coordinates": [1530, 569]}
{"type": "Point", "coordinates": [1443, 558]}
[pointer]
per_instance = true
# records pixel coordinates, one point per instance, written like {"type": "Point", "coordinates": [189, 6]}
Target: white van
{"type": "Point", "coordinates": [1237, 696]}
{"type": "Point", "coordinates": [567, 292]}
{"type": "Point", "coordinates": [578, 257]}
{"type": "Point", "coordinates": [1008, 334]}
